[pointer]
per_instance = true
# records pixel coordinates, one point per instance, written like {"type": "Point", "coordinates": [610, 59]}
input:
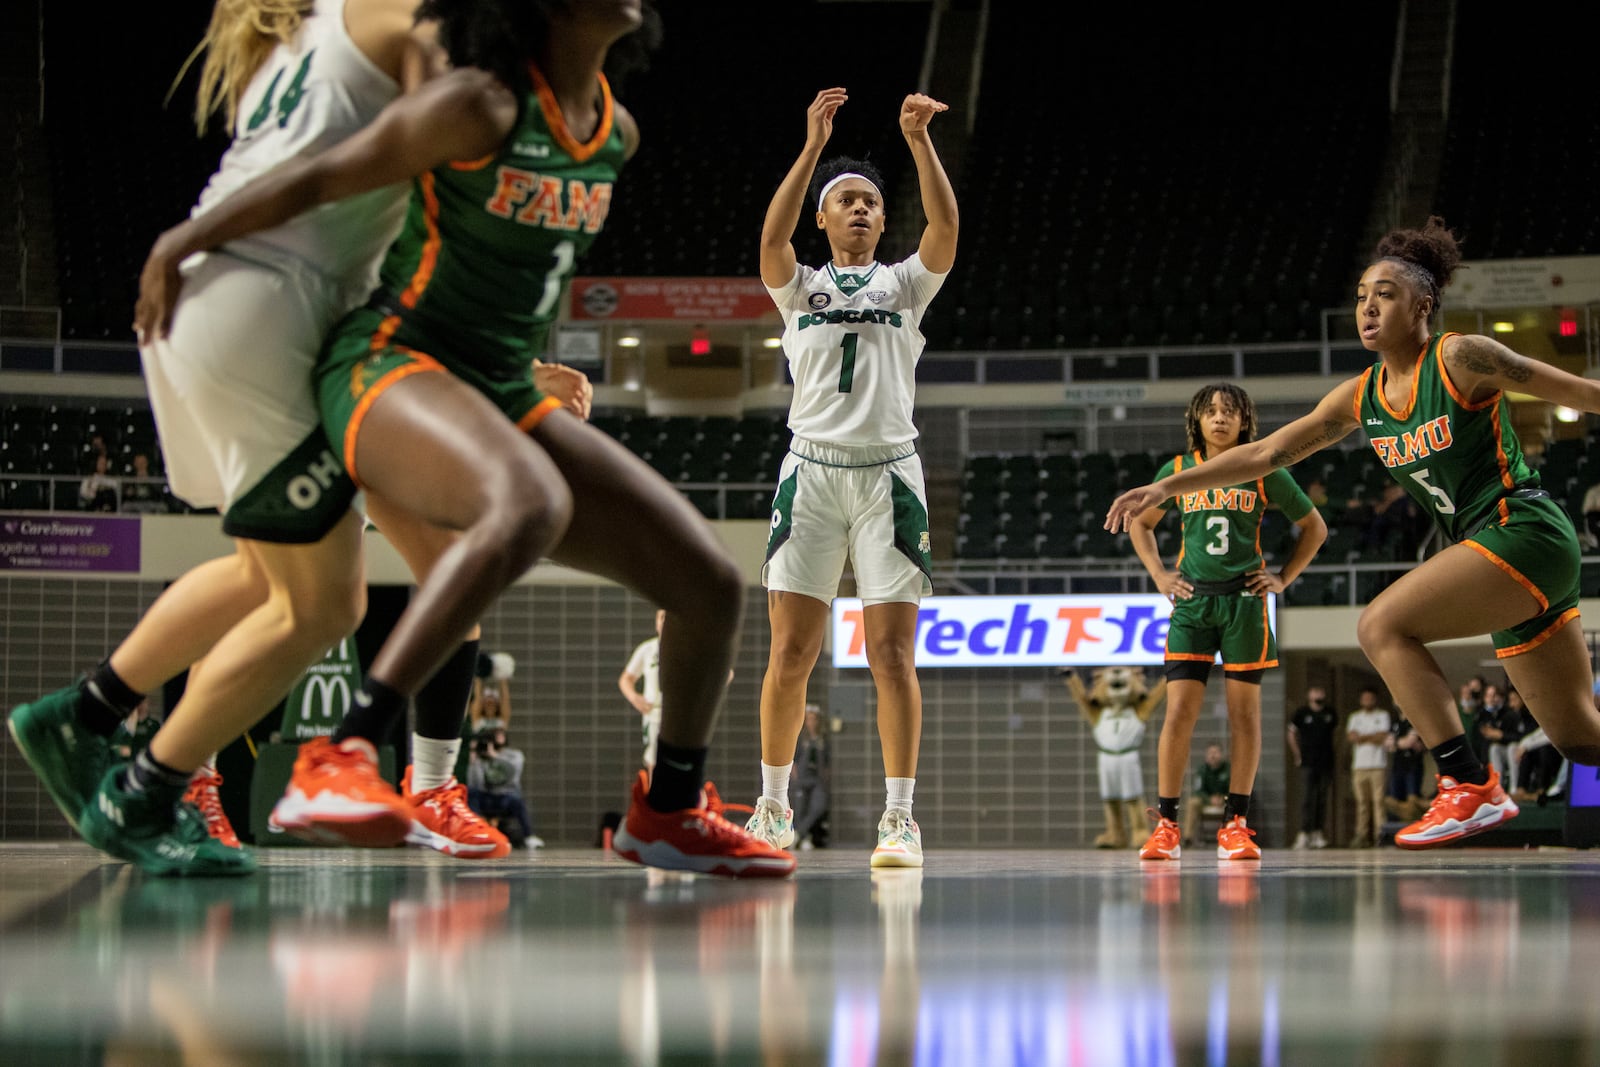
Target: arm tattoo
{"type": "Point", "coordinates": [1483, 356]}
{"type": "Point", "coordinates": [1332, 430]}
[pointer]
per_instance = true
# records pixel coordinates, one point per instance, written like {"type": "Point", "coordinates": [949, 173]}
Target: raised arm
{"type": "Point", "coordinates": [505, 701]}
{"type": "Point", "coordinates": [1331, 420]}
{"type": "Point", "coordinates": [1479, 365]}
{"type": "Point", "coordinates": [464, 114]}
{"type": "Point", "coordinates": [937, 249]}
{"type": "Point", "coordinates": [783, 214]}
{"type": "Point", "coordinates": [1081, 696]}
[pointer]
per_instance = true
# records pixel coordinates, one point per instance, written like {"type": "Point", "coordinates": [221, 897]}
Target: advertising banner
{"type": "Point", "coordinates": [318, 701]}
{"type": "Point", "coordinates": [69, 543]}
{"type": "Point", "coordinates": [1024, 631]}
{"type": "Point", "coordinates": [676, 299]}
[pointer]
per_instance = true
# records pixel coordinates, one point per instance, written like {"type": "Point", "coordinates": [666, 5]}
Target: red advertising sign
{"type": "Point", "coordinates": [674, 299]}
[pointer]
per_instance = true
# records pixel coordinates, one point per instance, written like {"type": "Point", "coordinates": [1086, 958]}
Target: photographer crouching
{"type": "Point", "coordinates": [494, 785]}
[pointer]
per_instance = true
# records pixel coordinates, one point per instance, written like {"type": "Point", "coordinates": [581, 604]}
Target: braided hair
{"type": "Point", "coordinates": [1237, 398]}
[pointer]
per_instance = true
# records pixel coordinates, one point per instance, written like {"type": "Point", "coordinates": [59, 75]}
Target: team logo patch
{"type": "Point", "coordinates": [877, 296]}
{"type": "Point", "coordinates": [777, 518]}
{"type": "Point", "coordinates": [818, 301]}
{"type": "Point", "coordinates": [923, 544]}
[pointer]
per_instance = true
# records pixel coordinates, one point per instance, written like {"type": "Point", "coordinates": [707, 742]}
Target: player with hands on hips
{"type": "Point", "coordinates": [1435, 410]}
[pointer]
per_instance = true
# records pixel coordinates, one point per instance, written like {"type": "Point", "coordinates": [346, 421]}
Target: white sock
{"type": "Point", "coordinates": [775, 783]}
{"type": "Point", "coordinates": [899, 791]}
{"type": "Point", "coordinates": [433, 762]}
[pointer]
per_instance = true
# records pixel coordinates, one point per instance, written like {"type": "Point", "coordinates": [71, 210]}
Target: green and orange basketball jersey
{"type": "Point", "coordinates": [489, 246]}
{"type": "Point", "coordinates": [1456, 459]}
{"type": "Point", "coordinates": [1222, 527]}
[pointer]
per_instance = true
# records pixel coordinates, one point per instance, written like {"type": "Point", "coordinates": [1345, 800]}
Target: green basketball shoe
{"type": "Point", "coordinates": [155, 832]}
{"type": "Point", "coordinates": [68, 757]}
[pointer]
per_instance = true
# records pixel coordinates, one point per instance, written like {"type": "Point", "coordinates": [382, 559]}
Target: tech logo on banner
{"type": "Point", "coordinates": [1024, 631]}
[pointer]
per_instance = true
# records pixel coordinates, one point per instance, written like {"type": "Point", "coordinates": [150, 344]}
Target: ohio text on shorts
{"type": "Point", "coordinates": [231, 390]}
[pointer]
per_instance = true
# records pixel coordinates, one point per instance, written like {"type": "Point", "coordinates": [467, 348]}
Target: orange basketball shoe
{"type": "Point", "coordinates": [694, 839]}
{"type": "Point", "coordinates": [440, 819]}
{"type": "Point", "coordinates": [1459, 810]}
{"type": "Point", "coordinates": [1165, 841]}
{"type": "Point", "coordinates": [1233, 841]}
{"type": "Point", "coordinates": [337, 797]}
{"type": "Point", "coordinates": [202, 794]}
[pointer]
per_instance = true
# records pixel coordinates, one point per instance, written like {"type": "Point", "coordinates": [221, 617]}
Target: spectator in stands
{"type": "Point", "coordinates": [141, 493]}
{"type": "Point", "coordinates": [1219, 587]}
{"type": "Point", "coordinates": [1468, 701]}
{"type": "Point", "coordinates": [1503, 730]}
{"type": "Point", "coordinates": [813, 781]}
{"type": "Point", "coordinates": [1317, 493]}
{"type": "Point", "coordinates": [1395, 529]}
{"type": "Point", "coordinates": [1541, 772]}
{"type": "Point", "coordinates": [1488, 728]}
{"type": "Point", "coordinates": [99, 491]}
{"type": "Point", "coordinates": [1589, 534]}
{"type": "Point", "coordinates": [1311, 729]}
{"type": "Point", "coordinates": [1209, 793]}
{"type": "Point", "coordinates": [1403, 792]}
{"type": "Point", "coordinates": [1369, 730]}
{"type": "Point", "coordinates": [1511, 568]}
{"type": "Point", "coordinates": [852, 483]}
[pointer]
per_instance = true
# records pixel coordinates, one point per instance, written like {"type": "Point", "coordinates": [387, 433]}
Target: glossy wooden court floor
{"type": "Point", "coordinates": [1462, 957]}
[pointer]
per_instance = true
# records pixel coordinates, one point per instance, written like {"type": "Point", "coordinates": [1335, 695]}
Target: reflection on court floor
{"type": "Point", "coordinates": [333, 957]}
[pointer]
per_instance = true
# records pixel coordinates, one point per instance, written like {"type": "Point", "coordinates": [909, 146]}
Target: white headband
{"type": "Point", "coordinates": [822, 197]}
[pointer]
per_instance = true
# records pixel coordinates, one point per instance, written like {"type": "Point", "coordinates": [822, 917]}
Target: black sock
{"type": "Point", "coordinates": [441, 703]}
{"type": "Point", "coordinates": [107, 700]}
{"type": "Point", "coordinates": [680, 774]}
{"type": "Point", "coordinates": [1456, 759]}
{"type": "Point", "coordinates": [1238, 804]}
{"type": "Point", "coordinates": [373, 710]}
{"type": "Point", "coordinates": [146, 774]}
{"type": "Point", "coordinates": [1168, 807]}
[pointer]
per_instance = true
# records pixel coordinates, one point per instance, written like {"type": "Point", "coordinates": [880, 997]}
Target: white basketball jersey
{"type": "Point", "coordinates": [853, 339]}
{"type": "Point", "coordinates": [307, 97]}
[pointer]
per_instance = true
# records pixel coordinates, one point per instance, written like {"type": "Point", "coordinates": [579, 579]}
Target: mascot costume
{"type": "Point", "coordinates": [1117, 707]}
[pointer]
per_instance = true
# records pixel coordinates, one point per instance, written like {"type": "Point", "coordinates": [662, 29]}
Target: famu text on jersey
{"type": "Point", "coordinates": [1220, 500]}
{"type": "Point", "coordinates": [540, 197]}
{"type": "Point", "coordinates": [1430, 437]}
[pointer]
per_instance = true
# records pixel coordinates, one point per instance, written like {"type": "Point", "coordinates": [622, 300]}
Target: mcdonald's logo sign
{"type": "Point", "coordinates": [324, 696]}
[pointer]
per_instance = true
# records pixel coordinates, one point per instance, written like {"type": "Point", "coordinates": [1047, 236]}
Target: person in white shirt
{"type": "Point", "coordinates": [1369, 731]}
{"type": "Point", "coordinates": [851, 485]}
{"type": "Point", "coordinates": [644, 666]}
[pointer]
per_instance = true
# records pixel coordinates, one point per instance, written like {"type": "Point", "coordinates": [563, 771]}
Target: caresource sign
{"type": "Point", "coordinates": [1024, 631]}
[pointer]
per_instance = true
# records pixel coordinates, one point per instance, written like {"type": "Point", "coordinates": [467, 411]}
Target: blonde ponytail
{"type": "Point", "coordinates": [241, 34]}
